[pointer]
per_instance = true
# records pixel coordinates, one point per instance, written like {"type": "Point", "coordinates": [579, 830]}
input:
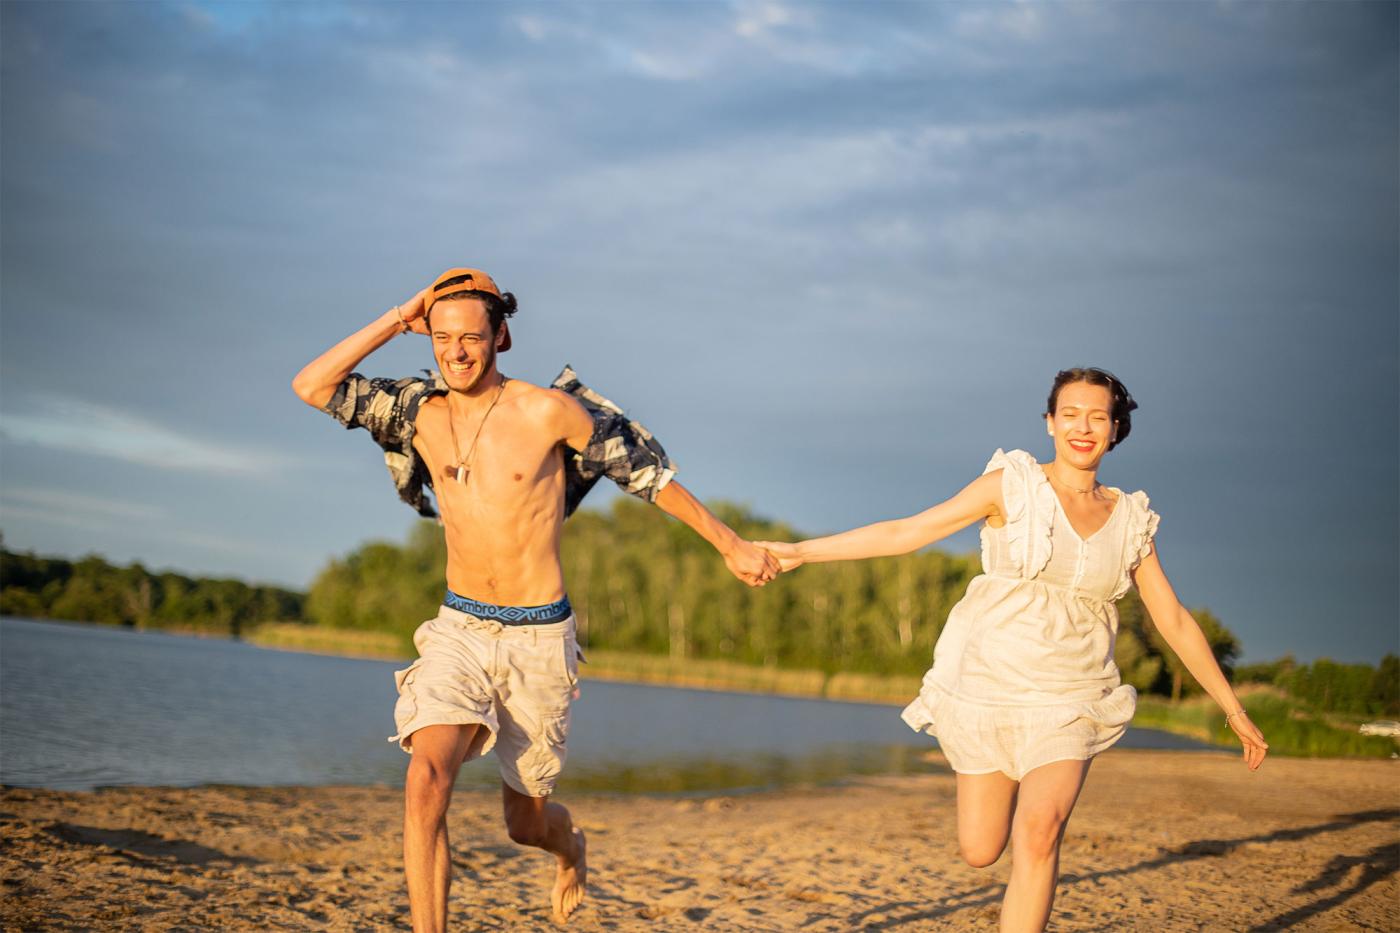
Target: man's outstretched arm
{"type": "Point", "coordinates": [745, 560]}
{"type": "Point", "coordinates": [751, 564]}
{"type": "Point", "coordinates": [318, 380]}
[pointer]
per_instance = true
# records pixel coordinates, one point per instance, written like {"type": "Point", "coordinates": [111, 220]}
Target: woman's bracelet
{"type": "Point", "coordinates": [1235, 713]}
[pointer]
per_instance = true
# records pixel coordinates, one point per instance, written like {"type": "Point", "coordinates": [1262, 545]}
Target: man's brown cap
{"type": "Point", "coordinates": [465, 280]}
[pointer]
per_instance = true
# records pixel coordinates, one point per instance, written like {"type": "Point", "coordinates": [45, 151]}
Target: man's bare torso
{"type": "Point", "coordinates": [503, 524]}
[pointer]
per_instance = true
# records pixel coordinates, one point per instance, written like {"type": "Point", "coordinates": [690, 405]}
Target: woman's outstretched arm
{"type": "Point", "coordinates": [978, 500]}
{"type": "Point", "coordinates": [1182, 633]}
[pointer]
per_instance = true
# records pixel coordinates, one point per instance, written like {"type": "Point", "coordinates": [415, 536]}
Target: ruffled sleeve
{"type": "Point", "coordinates": [1137, 544]}
{"type": "Point", "coordinates": [1143, 528]}
{"type": "Point", "coordinates": [1030, 509]}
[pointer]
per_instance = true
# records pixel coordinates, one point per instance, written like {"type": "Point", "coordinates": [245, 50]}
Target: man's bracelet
{"type": "Point", "coordinates": [402, 323]}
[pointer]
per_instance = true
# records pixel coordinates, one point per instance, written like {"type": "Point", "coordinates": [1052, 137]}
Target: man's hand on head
{"type": "Point", "coordinates": [411, 312]}
{"type": "Point", "coordinates": [751, 564]}
{"type": "Point", "coordinates": [318, 380]}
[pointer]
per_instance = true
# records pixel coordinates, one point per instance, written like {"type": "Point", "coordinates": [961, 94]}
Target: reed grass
{"type": "Point", "coordinates": [316, 639]}
{"type": "Point", "coordinates": [710, 674]}
{"type": "Point", "coordinates": [1291, 728]}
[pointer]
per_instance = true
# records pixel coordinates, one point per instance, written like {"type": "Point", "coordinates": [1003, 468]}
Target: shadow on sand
{"type": "Point", "coordinates": [143, 848]}
{"type": "Point", "coordinates": [1375, 865]}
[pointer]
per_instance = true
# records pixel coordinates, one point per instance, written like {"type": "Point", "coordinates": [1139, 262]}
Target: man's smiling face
{"type": "Point", "coordinates": [464, 345]}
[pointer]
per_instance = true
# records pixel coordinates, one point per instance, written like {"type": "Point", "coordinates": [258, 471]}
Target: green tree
{"type": "Point", "coordinates": [92, 590]}
{"type": "Point", "coordinates": [1223, 645]}
{"type": "Point", "coordinates": [1384, 699]}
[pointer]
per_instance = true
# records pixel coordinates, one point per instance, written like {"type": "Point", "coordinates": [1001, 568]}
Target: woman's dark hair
{"type": "Point", "coordinates": [498, 307]}
{"type": "Point", "coordinates": [1122, 404]}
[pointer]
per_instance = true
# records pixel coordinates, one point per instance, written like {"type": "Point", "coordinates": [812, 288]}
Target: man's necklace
{"type": "Point", "coordinates": [461, 470]}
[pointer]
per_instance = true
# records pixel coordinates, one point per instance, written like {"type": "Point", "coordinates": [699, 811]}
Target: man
{"type": "Point", "coordinates": [507, 462]}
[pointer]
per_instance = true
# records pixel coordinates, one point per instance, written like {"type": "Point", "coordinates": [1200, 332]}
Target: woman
{"type": "Point", "coordinates": [1023, 691]}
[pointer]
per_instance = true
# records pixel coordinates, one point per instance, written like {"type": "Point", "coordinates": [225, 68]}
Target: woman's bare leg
{"type": "Point", "coordinates": [985, 803]}
{"type": "Point", "coordinates": [1046, 797]}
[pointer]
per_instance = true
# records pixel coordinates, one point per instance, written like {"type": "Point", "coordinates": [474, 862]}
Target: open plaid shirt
{"type": "Point", "coordinates": [620, 448]}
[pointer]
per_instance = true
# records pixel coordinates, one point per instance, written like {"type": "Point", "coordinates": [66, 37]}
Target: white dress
{"type": "Point", "coordinates": [1023, 673]}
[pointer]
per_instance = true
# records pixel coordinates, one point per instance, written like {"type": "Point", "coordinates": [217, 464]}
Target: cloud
{"type": "Point", "coordinates": [937, 202]}
{"type": "Point", "coordinates": [664, 66]}
{"type": "Point", "coordinates": [60, 504]}
{"type": "Point", "coordinates": [702, 42]}
{"type": "Point", "coordinates": [753, 20]}
{"type": "Point", "coordinates": [1020, 21]}
{"type": "Point", "coordinates": [75, 426]}
{"type": "Point", "coordinates": [98, 515]}
{"type": "Point", "coordinates": [534, 28]}
{"type": "Point", "coordinates": [794, 36]}
{"type": "Point", "coordinates": [648, 56]}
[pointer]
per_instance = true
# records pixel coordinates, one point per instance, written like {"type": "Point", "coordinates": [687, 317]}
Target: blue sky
{"type": "Point", "coordinates": [831, 254]}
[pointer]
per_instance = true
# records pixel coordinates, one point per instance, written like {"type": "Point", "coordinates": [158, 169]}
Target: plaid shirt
{"type": "Point", "coordinates": [620, 449]}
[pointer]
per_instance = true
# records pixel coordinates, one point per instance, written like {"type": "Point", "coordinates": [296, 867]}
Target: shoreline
{"type": "Point", "coordinates": [626, 667]}
{"type": "Point", "coordinates": [1159, 840]}
{"type": "Point", "coordinates": [1194, 718]}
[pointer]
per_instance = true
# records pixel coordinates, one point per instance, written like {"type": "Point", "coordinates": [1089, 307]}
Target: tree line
{"type": "Point", "coordinates": [92, 590]}
{"type": "Point", "coordinates": [1355, 689]}
{"type": "Point", "coordinates": [640, 582]}
{"type": "Point", "coordinates": [643, 583]}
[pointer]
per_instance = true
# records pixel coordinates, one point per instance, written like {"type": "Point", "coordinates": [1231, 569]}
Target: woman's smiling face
{"type": "Point", "coordinates": [1082, 424]}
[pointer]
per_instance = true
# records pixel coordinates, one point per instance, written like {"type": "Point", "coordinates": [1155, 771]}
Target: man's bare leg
{"type": "Point", "coordinates": [438, 753]}
{"type": "Point", "coordinates": [534, 821]}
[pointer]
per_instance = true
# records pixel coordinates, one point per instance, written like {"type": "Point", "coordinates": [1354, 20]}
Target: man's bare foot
{"type": "Point", "coordinates": [571, 880]}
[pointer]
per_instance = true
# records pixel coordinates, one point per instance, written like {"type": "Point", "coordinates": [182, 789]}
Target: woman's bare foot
{"type": "Point", "coordinates": [571, 880]}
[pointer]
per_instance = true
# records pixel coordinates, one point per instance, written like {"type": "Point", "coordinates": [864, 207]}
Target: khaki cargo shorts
{"type": "Point", "coordinates": [515, 680]}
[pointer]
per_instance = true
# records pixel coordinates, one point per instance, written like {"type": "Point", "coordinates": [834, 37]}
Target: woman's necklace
{"type": "Point", "coordinates": [1061, 482]}
{"type": "Point", "coordinates": [461, 470]}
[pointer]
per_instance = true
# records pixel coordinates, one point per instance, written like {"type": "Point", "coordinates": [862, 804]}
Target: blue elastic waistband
{"type": "Point", "coordinates": [510, 615]}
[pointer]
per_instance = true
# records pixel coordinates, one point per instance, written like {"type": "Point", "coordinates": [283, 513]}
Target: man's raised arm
{"type": "Point", "coordinates": [316, 383]}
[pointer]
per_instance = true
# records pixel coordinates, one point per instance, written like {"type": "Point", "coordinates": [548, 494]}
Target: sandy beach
{"type": "Point", "coordinates": [1160, 841]}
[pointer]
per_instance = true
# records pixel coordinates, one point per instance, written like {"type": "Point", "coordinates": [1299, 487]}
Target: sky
{"type": "Point", "coordinates": [831, 254]}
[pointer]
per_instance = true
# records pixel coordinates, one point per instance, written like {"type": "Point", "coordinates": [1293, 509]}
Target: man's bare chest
{"type": "Point", "coordinates": [508, 461]}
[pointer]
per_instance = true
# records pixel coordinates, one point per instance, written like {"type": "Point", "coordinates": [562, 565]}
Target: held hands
{"type": "Point", "coordinates": [751, 563]}
{"type": "Point", "coordinates": [759, 562]}
{"type": "Point", "coordinates": [787, 554]}
{"type": "Point", "coordinates": [1251, 738]}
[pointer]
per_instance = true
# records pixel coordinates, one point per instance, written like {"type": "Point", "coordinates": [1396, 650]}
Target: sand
{"type": "Point", "coordinates": [1160, 841]}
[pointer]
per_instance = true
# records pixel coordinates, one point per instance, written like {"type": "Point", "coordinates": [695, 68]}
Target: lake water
{"type": "Point", "coordinates": [83, 706]}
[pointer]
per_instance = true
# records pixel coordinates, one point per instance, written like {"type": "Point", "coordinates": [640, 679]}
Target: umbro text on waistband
{"type": "Point", "coordinates": [510, 615]}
